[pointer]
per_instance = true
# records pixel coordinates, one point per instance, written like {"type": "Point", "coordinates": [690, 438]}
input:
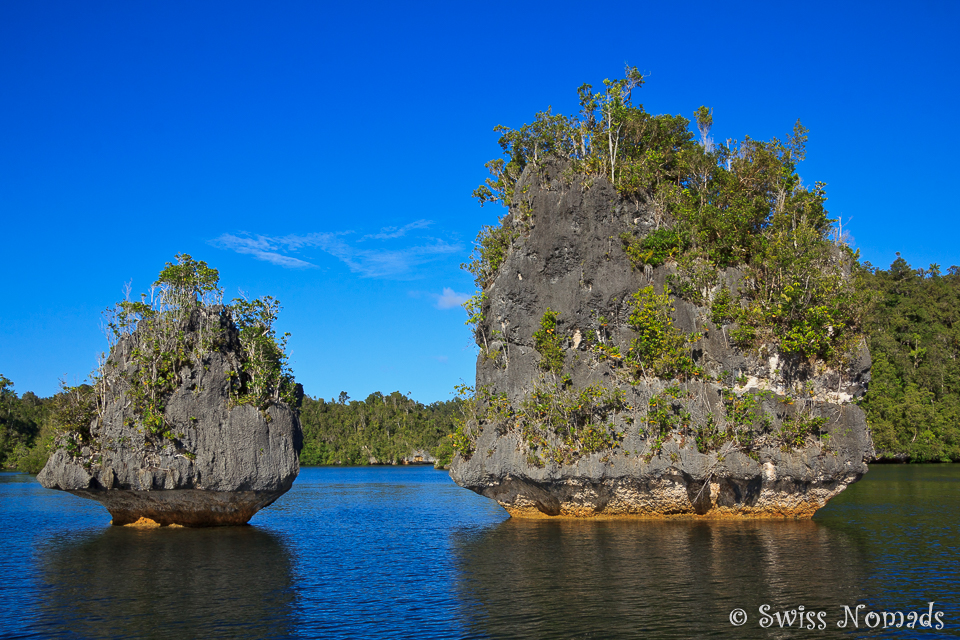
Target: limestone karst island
{"type": "Point", "coordinates": [193, 418]}
{"type": "Point", "coordinates": [665, 327]}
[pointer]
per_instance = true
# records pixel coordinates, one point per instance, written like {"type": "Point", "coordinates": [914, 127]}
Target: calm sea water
{"type": "Point", "coordinates": [403, 552]}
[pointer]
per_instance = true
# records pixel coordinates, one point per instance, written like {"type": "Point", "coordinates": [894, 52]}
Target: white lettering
{"type": "Point", "coordinates": [892, 617]}
{"type": "Point", "coordinates": [912, 617]}
{"type": "Point", "coordinates": [855, 616]}
{"type": "Point", "coordinates": [765, 620]}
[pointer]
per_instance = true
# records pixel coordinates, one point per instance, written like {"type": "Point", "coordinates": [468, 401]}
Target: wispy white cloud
{"type": "Point", "coordinates": [261, 248]}
{"type": "Point", "coordinates": [441, 359]}
{"type": "Point", "coordinates": [368, 261]}
{"type": "Point", "coordinates": [388, 233]}
{"type": "Point", "coordinates": [399, 263]}
{"type": "Point", "coordinates": [450, 298]}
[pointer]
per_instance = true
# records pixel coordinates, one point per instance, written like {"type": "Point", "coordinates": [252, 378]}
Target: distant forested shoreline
{"type": "Point", "coordinates": [383, 429]}
{"type": "Point", "coordinates": [913, 401]}
{"type": "Point", "coordinates": [912, 406]}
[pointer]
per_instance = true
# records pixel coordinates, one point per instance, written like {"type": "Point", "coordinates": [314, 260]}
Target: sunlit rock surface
{"type": "Point", "coordinates": [568, 258]}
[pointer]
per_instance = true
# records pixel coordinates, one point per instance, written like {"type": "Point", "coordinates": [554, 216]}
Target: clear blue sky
{"type": "Point", "coordinates": [325, 153]}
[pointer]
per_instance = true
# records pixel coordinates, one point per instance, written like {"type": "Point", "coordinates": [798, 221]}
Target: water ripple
{"type": "Point", "coordinates": [401, 552]}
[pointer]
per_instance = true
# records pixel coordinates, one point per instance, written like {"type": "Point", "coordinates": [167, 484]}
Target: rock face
{"type": "Point", "coordinates": [220, 463]}
{"type": "Point", "coordinates": [567, 257]}
{"type": "Point", "coordinates": [418, 456]}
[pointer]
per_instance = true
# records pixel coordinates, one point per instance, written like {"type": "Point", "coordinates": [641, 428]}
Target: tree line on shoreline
{"type": "Point", "coordinates": [913, 400]}
{"type": "Point", "coordinates": [383, 429]}
{"type": "Point", "coordinates": [912, 406]}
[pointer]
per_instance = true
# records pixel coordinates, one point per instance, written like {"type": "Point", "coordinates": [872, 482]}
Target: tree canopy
{"type": "Point", "coordinates": [738, 203]}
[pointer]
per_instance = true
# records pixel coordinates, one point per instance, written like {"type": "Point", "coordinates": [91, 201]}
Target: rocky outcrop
{"type": "Point", "coordinates": [217, 463]}
{"type": "Point", "coordinates": [415, 456]}
{"type": "Point", "coordinates": [418, 456]}
{"type": "Point", "coordinates": [615, 458]}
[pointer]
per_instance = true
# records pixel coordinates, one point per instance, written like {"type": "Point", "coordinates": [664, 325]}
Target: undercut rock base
{"type": "Point", "coordinates": [183, 507]}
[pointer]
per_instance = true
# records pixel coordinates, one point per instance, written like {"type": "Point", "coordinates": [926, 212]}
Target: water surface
{"type": "Point", "coordinates": [401, 552]}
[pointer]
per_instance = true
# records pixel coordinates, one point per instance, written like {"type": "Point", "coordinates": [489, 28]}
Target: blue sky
{"type": "Point", "coordinates": [325, 154]}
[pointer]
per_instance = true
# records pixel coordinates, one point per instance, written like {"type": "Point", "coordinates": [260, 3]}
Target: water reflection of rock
{"type": "Point", "coordinates": [557, 579]}
{"type": "Point", "coordinates": [234, 582]}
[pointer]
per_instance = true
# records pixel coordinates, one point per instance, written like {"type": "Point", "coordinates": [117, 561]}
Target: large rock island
{"type": "Point", "coordinates": [193, 418]}
{"type": "Point", "coordinates": [666, 328]}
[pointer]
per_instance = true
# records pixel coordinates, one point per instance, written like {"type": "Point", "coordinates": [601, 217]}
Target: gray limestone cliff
{"type": "Point", "coordinates": [217, 462]}
{"type": "Point", "coordinates": [752, 433]}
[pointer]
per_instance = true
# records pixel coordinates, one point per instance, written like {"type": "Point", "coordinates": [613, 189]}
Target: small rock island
{"type": "Point", "coordinates": [193, 418]}
{"type": "Point", "coordinates": [668, 327]}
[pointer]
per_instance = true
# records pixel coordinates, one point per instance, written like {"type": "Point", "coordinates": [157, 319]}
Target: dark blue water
{"type": "Point", "coordinates": [403, 552]}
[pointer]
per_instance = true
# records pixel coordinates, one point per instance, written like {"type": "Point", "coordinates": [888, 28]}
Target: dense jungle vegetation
{"type": "Point", "coordinates": [25, 430]}
{"type": "Point", "coordinates": [913, 403]}
{"type": "Point", "coordinates": [384, 428]}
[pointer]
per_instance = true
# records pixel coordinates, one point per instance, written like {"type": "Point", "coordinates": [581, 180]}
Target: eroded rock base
{"type": "Point", "coordinates": [666, 497]}
{"type": "Point", "coordinates": [183, 507]}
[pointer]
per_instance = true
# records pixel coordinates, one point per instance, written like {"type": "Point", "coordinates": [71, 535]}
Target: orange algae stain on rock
{"type": "Point", "coordinates": [799, 512]}
{"type": "Point", "coordinates": [142, 522]}
{"type": "Point", "coordinates": [146, 523]}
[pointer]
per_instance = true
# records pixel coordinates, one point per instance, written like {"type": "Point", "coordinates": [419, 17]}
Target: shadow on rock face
{"type": "Point", "coordinates": [663, 579]}
{"type": "Point", "coordinates": [178, 583]}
